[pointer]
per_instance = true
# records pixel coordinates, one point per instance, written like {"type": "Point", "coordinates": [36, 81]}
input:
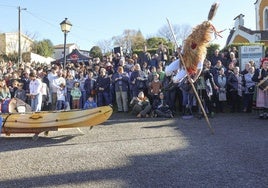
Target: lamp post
{"type": "Point", "coordinates": [65, 28]}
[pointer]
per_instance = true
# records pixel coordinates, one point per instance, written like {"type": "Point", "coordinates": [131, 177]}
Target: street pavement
{"type": "Point", "coordinates": [150, 152]}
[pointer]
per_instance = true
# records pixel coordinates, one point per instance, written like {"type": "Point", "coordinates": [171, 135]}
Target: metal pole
{"type": "Point", "coordinates": [19, 50]}
{"type": "Point", "coordinates": [19, 35]}
{"type": "Point", "coordinates": [64, 50]}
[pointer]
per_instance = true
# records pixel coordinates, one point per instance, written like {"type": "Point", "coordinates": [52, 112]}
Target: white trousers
{"type": "Point", "coordinates": [175, 67]}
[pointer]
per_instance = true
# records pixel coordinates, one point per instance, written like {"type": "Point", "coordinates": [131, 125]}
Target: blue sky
{"type": "Point", "coordinates": [95, 20]}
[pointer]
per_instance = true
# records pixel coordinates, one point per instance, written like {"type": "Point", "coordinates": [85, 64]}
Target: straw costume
{"type": "Point", "coordinates": [194, 49]}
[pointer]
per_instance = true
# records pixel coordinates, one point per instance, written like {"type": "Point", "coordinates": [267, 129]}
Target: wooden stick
{"type": "Point", "coordinates": [190, 80]}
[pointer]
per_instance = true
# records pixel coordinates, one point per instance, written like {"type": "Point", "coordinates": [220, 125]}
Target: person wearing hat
{"type": "Point", "coordinates": [35, 92]}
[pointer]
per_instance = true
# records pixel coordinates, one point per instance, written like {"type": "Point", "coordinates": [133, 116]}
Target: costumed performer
{"type": "Point", "coordinates": [194, 50]}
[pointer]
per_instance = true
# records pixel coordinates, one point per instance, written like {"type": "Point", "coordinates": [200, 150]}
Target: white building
{"type": "Point", "coordinates": [242, 34]}
{"type": "Point", "coordinates": [9, 43]}
{"type": "Point", "coordinates": [59, 50]}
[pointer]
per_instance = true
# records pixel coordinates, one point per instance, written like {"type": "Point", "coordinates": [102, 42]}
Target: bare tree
{"type": "Point", "coordinates": [119, 41]}
{"type": "Point", "coordinates": [105, 45]}
{"type": "Point", "coordinates": [184, 31]}
{"type": "Point", "coordinates": [138, 41]}
{"type": "Point", "coordinates": [32, 36]}
{"type": "Point", "coordinates": [180, 31]}
{"type": "Point", "coordinates": [129, 39]}
{"type": "Point", "coordinates": [165, 32]}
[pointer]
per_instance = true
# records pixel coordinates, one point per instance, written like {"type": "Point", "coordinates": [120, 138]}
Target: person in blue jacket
{"type": "Point", "coordinates": [90, 103]}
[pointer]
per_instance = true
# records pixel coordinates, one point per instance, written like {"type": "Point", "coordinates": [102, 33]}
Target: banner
{"type": "Point", "coordinates": [247, 53]}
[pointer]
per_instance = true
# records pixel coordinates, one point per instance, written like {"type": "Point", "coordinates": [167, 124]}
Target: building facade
{"type": "Point", "coordinates": [241, 34]}
{"type": "Point", "coordinates": [59, 50]}
{"type": "Point", "coordinates": [9, 43]}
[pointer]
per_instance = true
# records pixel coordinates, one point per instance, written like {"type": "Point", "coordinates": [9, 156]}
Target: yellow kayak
{"type": "Point", "coordinates": [36, 122]}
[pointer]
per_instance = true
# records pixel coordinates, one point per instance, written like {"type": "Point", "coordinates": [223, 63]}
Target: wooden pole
{"type": "Point", "coordinates": [190, 80]}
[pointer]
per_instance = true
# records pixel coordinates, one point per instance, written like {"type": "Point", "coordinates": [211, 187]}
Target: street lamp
{"type": "Point", "coordinates": [65, 28]}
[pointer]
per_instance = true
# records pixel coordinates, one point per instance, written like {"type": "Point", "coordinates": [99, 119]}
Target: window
{"type": "Point", "coordinates": [265, 19]}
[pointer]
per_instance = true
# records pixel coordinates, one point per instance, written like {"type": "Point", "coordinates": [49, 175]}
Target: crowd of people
{"type": "Point", "coordinates": [138, 84]}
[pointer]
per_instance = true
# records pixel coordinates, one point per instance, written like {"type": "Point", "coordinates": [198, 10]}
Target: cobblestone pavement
{"type": "Point", "coordinates": [130, 152]}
